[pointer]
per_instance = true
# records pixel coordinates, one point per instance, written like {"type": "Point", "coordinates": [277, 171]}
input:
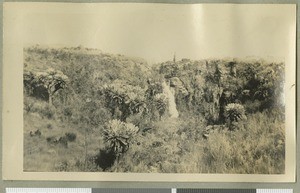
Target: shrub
{"type": "Point", "coordinates": [47, 111]}
{"type": "Point", "coordinates": [105, 159]}
{"type": "Point", "coordinates": [52, 140]}
{"type": "Point", "coordinates": [118, 135]}
{"type": "Point", "coordinates": [63, 141]}
{"type": "Point", "coordinates": [61, 166]}
{"type": "Point", "coordinates": [234, 113]}
{"type": "Point", "coordinates": [28, 104]}
{"type": "Point", "coordinates": [49, 126]}
{"type": "Point", "coordinates": [52, 80]}
{"type": "Point", "coordinates": [67, 111]}
{"type": "Point", "coordinates": [35, 133]}
{"type": "Point", "coordinates": [160, 102]}
{"type": "Point", "coordinates": [252, 106]}
{"type": "Point", "coordinates": [71, 136]}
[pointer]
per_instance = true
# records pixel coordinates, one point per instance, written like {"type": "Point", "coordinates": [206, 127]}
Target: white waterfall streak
{"type": "Point", "coordinates": [171, 100]}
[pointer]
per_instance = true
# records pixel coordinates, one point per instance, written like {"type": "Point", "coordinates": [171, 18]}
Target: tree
{"type": "Point", "coordinates": [52, 80]}
{"type": "Point", "coordinates": [124, 98]}
{"type": "Point", "coordinates": [28, 80]}
{"type": "Point", "coordinates": [232, 66]}
{"type": "Point", "coordinates": [270, 89]}
{"type": "Point", "coordinates": [118, 134]}
{"type": "Point", "coordinates": [160, 102]}
{"type": "Point", "coordinates": [234, 113]}
{"type": "Point", "coordinates": [218, 74]}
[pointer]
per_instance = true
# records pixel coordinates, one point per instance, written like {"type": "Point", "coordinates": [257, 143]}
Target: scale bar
{"type": "Point", "coordinates": [216, 190]}
{"type": "Point", "coordinates": [132, 190]}
{"type": "Point", "coordinates": [141, 190]}
{"type": "Point", "coordinates": [48, 190]}
{"type": "Point", "coordinates": [274, 191]}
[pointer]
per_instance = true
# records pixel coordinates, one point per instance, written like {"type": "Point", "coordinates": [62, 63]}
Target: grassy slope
{"type": "Point", "coordinates": [39, 155]}
{"type": "Point", "coordinates": [57, 157]}
{"type": "Point", "coordinates": [258, 149]}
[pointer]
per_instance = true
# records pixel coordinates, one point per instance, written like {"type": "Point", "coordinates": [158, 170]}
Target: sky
{"type": "Point", "coordinates": [156, 32]}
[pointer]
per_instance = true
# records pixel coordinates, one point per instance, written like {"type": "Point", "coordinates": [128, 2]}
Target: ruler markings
{"type": "Point", "coordinates": [137, 190]}
{"type": "Point", "coordinates": [274, 191]}
{"type": "Point", "coordinates": [216, 191]}
{"type": "Point", "coordinates": [48, 190]}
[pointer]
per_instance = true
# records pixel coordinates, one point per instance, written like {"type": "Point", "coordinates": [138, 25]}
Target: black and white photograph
{"type": "Point", "coordinates": [157, 89]}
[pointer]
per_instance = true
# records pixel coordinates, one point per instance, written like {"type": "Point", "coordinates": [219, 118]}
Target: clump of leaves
{"type": "Point", "coordinates": [52, 80]}
{"type": "Point", "coordinates": [234, 113]}
{"type": "Point", "coordinates": [128, 99]}
{"type": "Point", "coordinates": [160, 101]}
{"type": "Point", "coordinates": [118, 135]}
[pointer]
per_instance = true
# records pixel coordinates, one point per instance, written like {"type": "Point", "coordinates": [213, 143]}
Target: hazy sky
{"type": "Point", "coordinates": [156, 31]}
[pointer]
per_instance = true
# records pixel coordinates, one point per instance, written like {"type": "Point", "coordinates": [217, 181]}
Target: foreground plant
{"type": "Point", "coordinates": [234, 114]}
{"type": "Point", "coordinates": [118, 134]}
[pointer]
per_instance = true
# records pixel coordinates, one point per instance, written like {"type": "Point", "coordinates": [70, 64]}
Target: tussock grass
{"type": "Point", "coordinates": [171, 146]}
{"type": "Point", "coordinates": [40, 155]}
{"type": "Point", "coordinates": [257, 149]}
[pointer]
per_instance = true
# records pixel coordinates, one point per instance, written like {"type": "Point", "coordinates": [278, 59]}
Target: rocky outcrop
{"type": "Point", "coordinates": [179, 86]}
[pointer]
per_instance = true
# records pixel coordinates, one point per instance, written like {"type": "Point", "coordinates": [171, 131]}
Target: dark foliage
{"type": "Point", "coordinates": [71, 136]}
{"type": "Point", "coordinates": [105, 159]}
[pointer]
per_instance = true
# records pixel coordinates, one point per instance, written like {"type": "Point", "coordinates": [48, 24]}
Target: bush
{"type": "Point", "coordinates": [40, 107]}
{"type": "Point", "coordinates": [234, 113]}
{"type": "Point", "coordinates": [252, 106]}
{"type": "Point", "coordinates": [48, 112]}
{"type": "Point", "coordinates": [52, 140]}
{"type": "Point", "coordinates": [105, 159]}
{"type": "Point", "coordinates": [67, 111]}
{"type": "Point", "coordinates": [118, 135]}
{"type": "Point", "coordinates": [62, 166]}
{"type": "Point", "coordinates": [236, 152]}
{"type": "Point", "coordinates": [63, 141]}
{"type": "Point", "coordinates": [71, 136]}
{"type": "Point", "coordinates": [49, 126]}
{"type": "Point", "coordinates": [28, 104]}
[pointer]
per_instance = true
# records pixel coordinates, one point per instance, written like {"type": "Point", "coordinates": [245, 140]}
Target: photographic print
{"type": "Point", "coordinates": [156, 89]}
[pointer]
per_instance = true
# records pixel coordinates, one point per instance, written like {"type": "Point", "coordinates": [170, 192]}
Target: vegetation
{"type": "Point", "coordinates": [234, 113]}
{"type": "Point", "coordinates": [118, 135]}
{"type": "Point", "coordinates": [86, 110]}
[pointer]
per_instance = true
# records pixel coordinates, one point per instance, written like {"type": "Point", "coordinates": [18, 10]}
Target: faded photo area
{"type": "Point", "coordinates": [198, 92]}
{"type": "Point", "coordinates": [85, 110]}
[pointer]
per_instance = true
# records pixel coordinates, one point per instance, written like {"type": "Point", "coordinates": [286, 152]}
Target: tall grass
{"type": "Point", "coordinates": [257, 149]}
{"type": "Point", "coordinates": [42, 155]}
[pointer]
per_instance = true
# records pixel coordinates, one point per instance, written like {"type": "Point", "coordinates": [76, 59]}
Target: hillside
{"type": "Point", "coordinates": [86, 110]}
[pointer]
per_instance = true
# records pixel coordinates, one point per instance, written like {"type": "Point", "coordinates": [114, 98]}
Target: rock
{"type": "Point", "coordinates": [246, 92]}
{"type": "Point", "coordinates": [35, 133]}
{"type": "Point", "coordinates": [175, 81]}
{"type": "Point", "coordinates": [51, 152]}
{"type": "Point", "coordinates": [178, 85]}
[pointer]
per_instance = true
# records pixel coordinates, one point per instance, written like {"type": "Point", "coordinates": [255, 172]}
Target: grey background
{"type": "Point", "coordinates": [151, 185]}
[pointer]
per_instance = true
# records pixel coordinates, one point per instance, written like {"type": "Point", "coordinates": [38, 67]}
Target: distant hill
{"type": "Point", "coordinates": [101, 67]}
